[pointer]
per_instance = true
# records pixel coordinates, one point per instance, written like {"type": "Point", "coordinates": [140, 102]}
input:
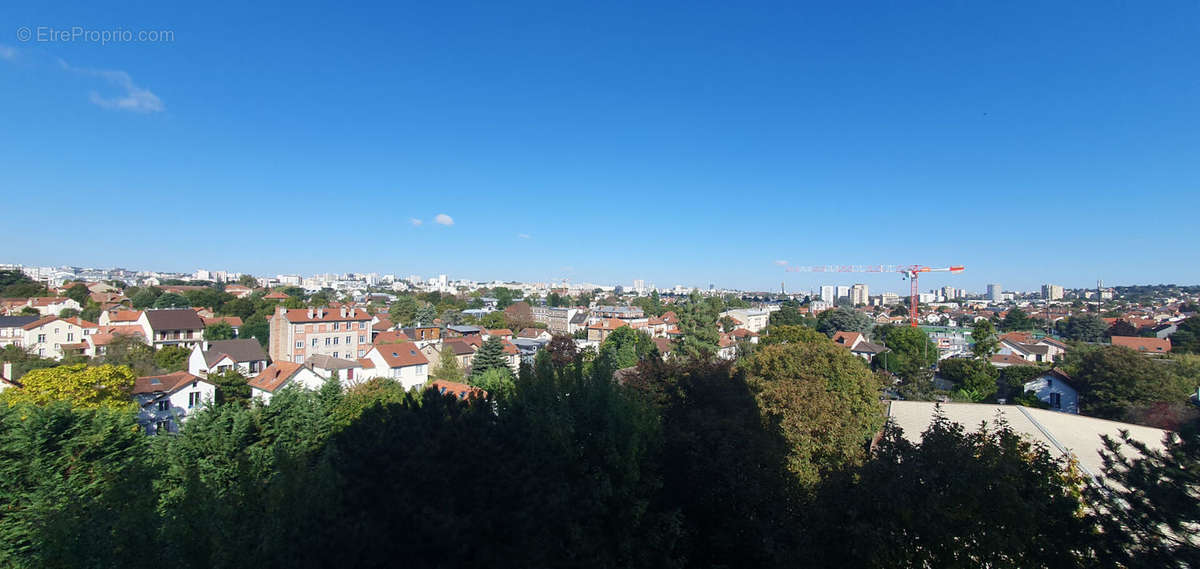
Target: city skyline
{"type": "Point", "coordinates": [697, 145]}
{"type": "Point", "coordinates": [838, 288]}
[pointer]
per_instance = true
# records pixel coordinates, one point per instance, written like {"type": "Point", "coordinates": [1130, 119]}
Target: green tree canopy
{"type": "Point", "coordinates": [1015, 320]}
{"type": "Point", "coordinates": [448, 368]}
{"type": "Point", "coordinates": [824, 400]}
{"type": "Point", "coordinates": [79, 293]}
{"type": "Point", "coordinates": [171, 300]}
{"type": "Point", "coordinates": [1082, 328]}
{"type": "Point", "coordinates": [791, 334]}
{"type": "Point", "coordinates": [984, 340]}
{"type": "Point", "coordinates": [837, 320]}
{"type": "Point", "coordinates": [910, 351]}
{"type": "Point", "coordinates": [218, 331]}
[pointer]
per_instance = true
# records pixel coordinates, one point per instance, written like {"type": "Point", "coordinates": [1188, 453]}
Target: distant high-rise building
{"type": "Point", "coordinates": [859, 294]}
{"type": "Point", "coordinates": [843, 291]}
{"type": "Point", "coordinates": [994, 292]}
{"type": "Point", "coordinates": [949, 293]}
{"type": "Point", "coordinates": [827, 293]}
{"type": "Point", "coordinates": [889, 298]}
{"type": "Point", "coordinates": [1052, 292]}
{"type": "Point", "coordinates": [639, 285]}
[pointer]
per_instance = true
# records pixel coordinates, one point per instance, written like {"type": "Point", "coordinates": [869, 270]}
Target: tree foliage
{"type": "Point", "coordinates": [837, 320]}
{"type": "Point", "coordinates": [105, 386]}
{"type": "Point", "coordinates": [824, 400]}
{"type": "Point", "coordinates": [218, 331]}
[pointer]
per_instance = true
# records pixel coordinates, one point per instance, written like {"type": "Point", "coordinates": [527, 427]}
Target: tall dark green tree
{"type": "Point", "coordinates": [490, 355]}
{"type": "Point", "coordinates": [1151, 512]}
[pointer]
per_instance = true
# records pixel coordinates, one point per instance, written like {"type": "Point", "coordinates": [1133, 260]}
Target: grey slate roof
{"type": "Point", "coordinates": [323, 361]}
{"type": "Point", "coordinates": [241, 350]}
{"type": "Point", "coordinates": [16, 321]}
{"type": "Point", "coordinates": [174, 319]}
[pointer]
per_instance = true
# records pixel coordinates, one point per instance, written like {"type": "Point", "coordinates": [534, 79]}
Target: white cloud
{"type": "Point", "coordinates": [8, 53]}
{"type": "Point", "coordinates": [781, 263]}
{"type": "Point", "coordinates": [523, 236]}
{"type": "Point", "coordinates": [134, 98]}
{"type": "Point", "coordinates": [443, 219]}
{"type": "Point", "coordinates": [416, 222]}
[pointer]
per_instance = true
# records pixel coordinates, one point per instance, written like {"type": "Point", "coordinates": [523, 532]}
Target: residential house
{"type": "Point", "coordinates": [244, 355]}
{"type": "Point", "coordinates": [665, 346]}
{"type": "Point", "coordinates": [239, 291]}
{"type": "Point", "coordinates": [104, 335]}
{"type": "Point", "coordinates": [726, 347]}
{"type": "Point", "coordinates": [463, 351]}
{"type": "Point", "coordinates": [1005, 360]}
{"type": "Point", "coordinates": [423, 333]}
{"type": "Point", "coordinates": [557, 319]}
{"type": "Point", "coordinates": [751, 319]}
{"type": "Point", "coordinates": [349, 372]}
{"type": "Point", "coordinates": [166, 401]}
{"type": "Point", "coordinates": [281, 374]}
{"type": "Point", "coordinates": [1036, 353]}
{"type": "Point", "coordinates": [599, 331]}
{"type": "Point", "coordinates": [12, 330]}
{"type": "Point", "coordinates": [54, 337]}
{"type": "Point", "coordinates": [858, 344]}
{"type": "Point", "coordinates": [403, 362]}
{"type": "Point", "coordinates": [390, 337]}
{"type": "Point", "coordinates": [463, 331]}
{"type": "Point", "coordinates": [502, 333]}
{"type": "Point", "coordinates": [1144, 345]}
{"type": "Point", "coordinates": [299, 333]}
{"type": "Point", "coordinates": [52, 305]}
{"type": "Point", "coordinates": [1054, 389]}
{"type": "Point", "coordinates": [120, 317]}
{"type": "Point", "coordinates": [534, 334]}
{"type": "Point", "coordinates": [172, 327]}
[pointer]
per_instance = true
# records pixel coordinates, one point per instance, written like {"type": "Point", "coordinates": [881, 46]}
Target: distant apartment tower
{"type": "Point", "coordinates": [1052, 292]}
{"type": "Point", "coordinates": [827, 293]}
{"type": "Point", "coordinates": [889, 298]}
{"type": "Point", "coordinates": [859, 294]}
{"type": "Point", "coordinates": [639, 285]}
{"type": "Point", "coordinates": [843, 291]}
{"type": "Point", "coordinates": [949, 293]}
{"type": "Point", "coordinates": [994, 292]}
{"type": "Point", "coordinates": [299, 333]}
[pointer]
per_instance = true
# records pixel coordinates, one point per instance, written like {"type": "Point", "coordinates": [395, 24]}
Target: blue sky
{"type": "Point", "coordinates": [680, 143]}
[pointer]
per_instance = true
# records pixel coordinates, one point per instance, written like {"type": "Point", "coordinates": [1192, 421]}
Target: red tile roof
{"type": "Point", "coordinates": [1151, 345]}
{"type": "Point", "coordinates": [500, 332]}
{"type": "Point", "coordinates": [459, 390]}
{"type": "Point", "coordinates": [163, 383]}
{"type": "Point", "coordinates": [393, 337]}
{"type": "Point", "coordinates": [125, 316]}
{"type": "Point", "coordinates": [1009, 359]}
{"type": "Point", "coordinates": [234, 321]}
{"type": "Point", "coordinates": [276, 296]}
{"type": "Point", "coordinates": [608, 324]}
{"type": "Point", "coordinates": [403, 354]}
{"type": "Point", "coordinates": [274, 376]}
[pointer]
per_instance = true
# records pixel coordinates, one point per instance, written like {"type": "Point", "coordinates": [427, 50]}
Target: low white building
{"type": "Point", "coordinates": [166, 401]}
{"type": "Point", "coordinates": [751, 319]}
{"type": "Point", "coordinates": [1054, 389]}
{"type": "Point", "coordinates": [403, 362]}
{"type": "Point", "coordinates": [281, 374]}
{"type": "Point", "coordinates": [245, 355]}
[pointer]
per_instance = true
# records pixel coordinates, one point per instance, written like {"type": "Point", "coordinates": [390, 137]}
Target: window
{"type": "Point", "coordinates": [362, 325]}
{"type": "Point", "coordinates": [162, 427]}
{"type": "Point", "coordinates": [335, 354]}
{"type": "Point", "coordinates": [362, 339]}
{"type": "Point", "coordinates": [70, 337]}
{"type": "Point", "coordinates": [193, 399]}
{"type": "Point", "coordinates": [335, 326]}
{"type": "Point", "coordinates": [350, 373]}
{"type": "Point", "coordinates": [164, 404]}
{"type": "Point", "coordinates": [298, 359]}
{"type": "Point", "coordinates": [299, 343]}
{"type": "Point", "coordinates": [348, 338]}
{"type": "Point", "coordinates": [41, 338]}
{"type": "Point", "coordinates": [1056, 400]}
{"type": "Point", "coordinates": [326, 341]}
{"type": "Point", "coordinates": [335, 341]}
{"type": "Point", "coordinates": [314, 342]}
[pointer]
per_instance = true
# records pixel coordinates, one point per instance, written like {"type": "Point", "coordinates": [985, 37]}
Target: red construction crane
{"type": "Point", "coordinates": [909, 271]}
